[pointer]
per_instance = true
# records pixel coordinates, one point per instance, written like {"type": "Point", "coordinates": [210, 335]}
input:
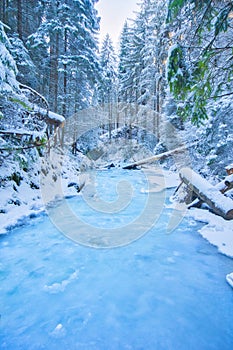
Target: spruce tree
{"type": "Point", "coordinates": [200, 64]}
{"type": "Point", "coordinates": [8, 69]}
{"type": "Point", "coordinates": [55, 45]}
{"type": "Point", "coordinates": [108, 64]}
{"type": "Point", "coordinates": [142, 63]}
{"type": "Point", "coordinates": [124, 63]}
{"type": "Point", "coordinates": [108, 87]}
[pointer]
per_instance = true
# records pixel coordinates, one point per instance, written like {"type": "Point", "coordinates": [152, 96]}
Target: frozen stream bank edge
{"type": "Point", "coordinates": [216, 230]}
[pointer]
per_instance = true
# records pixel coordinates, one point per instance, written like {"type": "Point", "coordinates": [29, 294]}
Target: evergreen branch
{"type": "Point", "coordinates": [202, 19]}
{"type": "Point", "coordinates": [220, 96]}
{"type": "Point", "coordinates": [36, 93]}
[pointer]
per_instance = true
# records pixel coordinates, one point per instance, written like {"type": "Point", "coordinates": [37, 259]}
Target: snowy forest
{"type": "Point", "coordinates": [116, 176]}
{"type": "Point", "coordinates": [171, 76]}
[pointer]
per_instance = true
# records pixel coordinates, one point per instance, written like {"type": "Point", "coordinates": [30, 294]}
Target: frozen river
{"type": "Point", "coordinates": [152, 291]}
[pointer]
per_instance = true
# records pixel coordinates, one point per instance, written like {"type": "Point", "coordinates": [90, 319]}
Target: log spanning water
{"type": "Point", "coordinates": [156, 157]}
{"type": "Point", "coordinates": [211, 195]}
{"type": "Point", "coordinates": [226, 184]}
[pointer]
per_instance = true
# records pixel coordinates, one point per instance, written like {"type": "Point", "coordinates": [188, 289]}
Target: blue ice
{"type": "Point", "coordinates": [160, 292]}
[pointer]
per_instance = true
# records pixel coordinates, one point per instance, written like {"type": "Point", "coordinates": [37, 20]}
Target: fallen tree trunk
{"type": "Point", "coordinates": [221, 205]}
{"type": "Point", "coordinates": [223, 186]}
{"type": "Point", "coordinates": [17, 133]}
{"type": "Point", "coordinates": [226, 184]}
{"type": "Point", "coordinates": [157, 157]}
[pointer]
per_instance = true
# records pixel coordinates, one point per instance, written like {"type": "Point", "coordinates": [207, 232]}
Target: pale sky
{"type": "Point", "coordinates": [113, 15]}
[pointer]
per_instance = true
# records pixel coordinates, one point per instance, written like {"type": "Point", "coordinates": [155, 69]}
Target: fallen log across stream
{"type": "Point", "coordinates": [157, 157]}
{"type": "Point", "coordinates": [226, 184]}
{"type": "Point", "coordinates": [211, 195]}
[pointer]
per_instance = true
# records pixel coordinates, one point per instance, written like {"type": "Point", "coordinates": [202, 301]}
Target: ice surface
{"type": "Point", "coordinates": [164, 291]}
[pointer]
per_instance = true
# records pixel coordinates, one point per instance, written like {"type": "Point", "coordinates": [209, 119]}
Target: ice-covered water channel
{"type": "Point", "coordinates": [160, 292]}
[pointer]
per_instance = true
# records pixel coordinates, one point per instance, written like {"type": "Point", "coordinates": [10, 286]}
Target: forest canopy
{"type": "Point", "coordinates": [173, 49]}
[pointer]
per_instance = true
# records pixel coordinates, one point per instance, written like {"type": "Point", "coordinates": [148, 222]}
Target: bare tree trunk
{"type": "Point", "coordinates": [53, 83]}
{"type": "Point", "coordinates": [19, 19]}
{"type": "Point", "coordinates": [3, 11]}
{"type": "Point", "coordinates": [27, 17]}
{"type": "Point", "coordinates": [109, 117]}
{"type": "Point", "coordinates": [64, 108]}
{"type": "Point", "coordinates": [158, 105]}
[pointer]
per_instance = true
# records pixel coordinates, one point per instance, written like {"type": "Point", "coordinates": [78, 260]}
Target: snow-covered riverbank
{"type": "Point", "coordinates": [216, 230]}
{"type": "Point", "coordinates": [21, 203]}
{"type": "Point", "coordinates": [17, 206]}
{"type": "Point", "coordinates": [23, 200]}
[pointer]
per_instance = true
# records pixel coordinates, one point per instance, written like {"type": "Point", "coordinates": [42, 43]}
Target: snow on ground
{"type": "Point", "coordinates": [172, 179]}
{"type": "Point", "coordinates": [18, 206]}
{"type": "Point", "coordinates": [217, 231]}
{"type": "Point", "coordinates": [18, 203]}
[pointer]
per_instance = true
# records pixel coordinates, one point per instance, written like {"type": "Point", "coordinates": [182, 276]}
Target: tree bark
{"type": "Point", "coordinates": [53, 83]}
{"type": "Point", "coordinates": [65, 75]}
{"type": "Point", "coordinates": [4, 11]}
{"type": "Point", "coordinates": [20, 19]}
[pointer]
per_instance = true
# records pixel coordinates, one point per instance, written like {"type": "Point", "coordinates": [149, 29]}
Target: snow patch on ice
{"type": "Point", "coordinates": [59, 331]}
{"type": "Point", "coordinates": [58, 287]}
{"type": "Point", "coordinates": [229, 279]}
